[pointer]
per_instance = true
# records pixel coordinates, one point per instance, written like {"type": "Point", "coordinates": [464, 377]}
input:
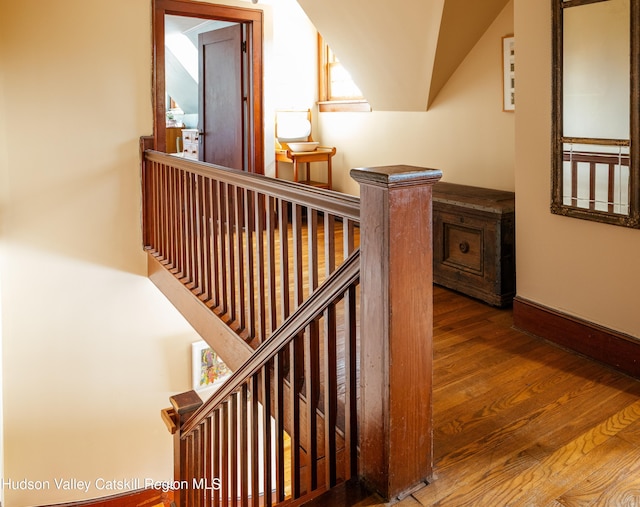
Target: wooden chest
{"type": "Point", "coordinates": [474, 241]}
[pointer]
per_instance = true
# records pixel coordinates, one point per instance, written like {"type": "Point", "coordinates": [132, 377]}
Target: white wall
{"type": "Point", "coordinates": [4, 186]}
{"type": "Point", "coordinates": [465, 133]}
{"type": "Point", "coordinates": [91, 350]}
{"type": "Point", "coordinates": [582, 268]}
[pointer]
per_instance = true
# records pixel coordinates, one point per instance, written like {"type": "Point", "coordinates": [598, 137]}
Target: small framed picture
{"type": "Point", "coordinates": [508, 73]}
{"type": "Point", "coordinates": [209, 371]}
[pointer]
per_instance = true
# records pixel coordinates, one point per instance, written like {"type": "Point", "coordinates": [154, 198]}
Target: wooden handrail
{"type": "Point", "coordinates": [321, 199]}
{"type": "Point", "coordinates": [334, 287]}
{"type": "Point", "coordinates": [262, 424]}
{"type": "Point", "coordinates": [246, 245]}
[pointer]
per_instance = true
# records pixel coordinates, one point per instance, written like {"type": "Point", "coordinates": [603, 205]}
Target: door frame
{"type": "Point", "coordinates": [252, 20]}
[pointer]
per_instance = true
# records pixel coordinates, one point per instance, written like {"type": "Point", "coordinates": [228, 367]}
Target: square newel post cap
{"type": "Point", "coordinates": [185, 403]}
{"type": "Point", "coordinates": [396, 175]}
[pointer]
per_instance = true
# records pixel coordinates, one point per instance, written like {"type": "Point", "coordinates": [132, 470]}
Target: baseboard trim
{"type": "Point", "coordinates": [615, 349]}
{"type": "Point", "coordinates": [136, 498]}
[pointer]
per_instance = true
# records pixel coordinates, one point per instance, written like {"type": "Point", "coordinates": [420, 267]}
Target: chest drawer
{"type": "Point", "coordinates": [474, 241]}
{"type": "Point", "coordinates": [190, 143]}
{"type": "Point", "coordinates": [462, 246]}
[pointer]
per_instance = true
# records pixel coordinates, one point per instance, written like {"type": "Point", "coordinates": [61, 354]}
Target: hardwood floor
{"type": "Point", "coordinates": [521, 422]}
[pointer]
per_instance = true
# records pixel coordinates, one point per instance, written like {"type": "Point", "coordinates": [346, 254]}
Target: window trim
{"type": "Point", "coordinates": [325, 104]}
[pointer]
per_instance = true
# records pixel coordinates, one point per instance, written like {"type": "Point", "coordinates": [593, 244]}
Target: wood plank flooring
{"type": "Point", "coordinates": [521, 422]}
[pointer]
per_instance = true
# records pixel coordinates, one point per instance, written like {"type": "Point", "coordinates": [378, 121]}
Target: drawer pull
{"type": "Point", "coordinates": [464, 247]}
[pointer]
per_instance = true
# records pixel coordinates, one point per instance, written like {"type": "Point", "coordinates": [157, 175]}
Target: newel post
{"type": "Point", "coordinates": [395, 427]}
{"type": "Point", "coordinates": [183, 405]}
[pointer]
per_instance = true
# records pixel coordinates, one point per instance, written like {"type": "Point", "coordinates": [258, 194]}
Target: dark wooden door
{"type": "Point", "coordinates": [221, 85]}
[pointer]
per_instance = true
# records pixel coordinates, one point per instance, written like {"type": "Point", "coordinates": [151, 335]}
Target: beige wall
{"type": "Point", "coordinates": [585, 269]}
{"type": "Point", "coordinates": [465, 133]}
{"type": "Point", "coordinates": [92, 351]}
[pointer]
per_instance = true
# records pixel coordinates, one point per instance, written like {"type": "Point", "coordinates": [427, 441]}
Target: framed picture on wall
{"type": "Point", "coordinates": [508, 73]}
{"type": "Point", "coordinates": [209, 371]}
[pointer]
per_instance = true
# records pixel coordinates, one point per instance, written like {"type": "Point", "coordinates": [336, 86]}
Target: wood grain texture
{"type": "Point", "coordinates": [521, 422]}
{"type": "Point", "coordinates": [605, 345]}
{"type": "Point", "coordinates": [396, 322]}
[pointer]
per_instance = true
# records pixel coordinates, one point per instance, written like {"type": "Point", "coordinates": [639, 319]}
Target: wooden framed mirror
{"type": "Point", "coordinates": [596, 118]}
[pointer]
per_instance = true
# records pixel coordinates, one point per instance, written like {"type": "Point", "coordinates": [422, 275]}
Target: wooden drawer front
{"type": "Point", "coordinates": [463, 248]}
{"type": "Point", "coordinates": [191, 150]}
{"type": "Point", "coordinates": [189, 136]}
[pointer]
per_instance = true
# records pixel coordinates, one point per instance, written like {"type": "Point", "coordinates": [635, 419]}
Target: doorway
{"type": "Point", "coordinates": [250, 22]}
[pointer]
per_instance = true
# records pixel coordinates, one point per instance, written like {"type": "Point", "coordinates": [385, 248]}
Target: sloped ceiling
{"type": "Point", "coordinates": [401, 53]}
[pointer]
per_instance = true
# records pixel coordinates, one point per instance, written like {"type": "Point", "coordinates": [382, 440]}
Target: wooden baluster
{"type": "Point", "coordinates": [312, 233]}
{"type": "Point", "coordinates": [216, 224]}
{"type": "Point", "coordinates": [298, 281]}
{"type": "Point", "coordinates": [249, 217]}
{"type": "Point", "coordinates": [243, 428]}
{"type": "Point", "coordinates": [149, 205]}
{"type": "Point", "coordinates": [574, 183]}
{"type": "Point", "coordinates": [217, 453]}
{"type": "Point", "coordinates": [166, 214]}
{"type": "Point", "coordinates": [278, 383]}
{"type": "Point", "coordinates": [241, 315]}
{"type": "Point", "coordinates": [223, 225]}
{"type": "Point", "coordinates": [267, 449]}
{"type": "Point", "coordinates": [151, 210]}
{"type": "Point", "coordinates": [173, 219]}
{"type": "Point", "coordinates": [200, 239]}
{"type": "Point", "coordinates": [592, 185]}
{"type": "Point", "coordinates": [350, 384]}
{"type": "Point", "coordinates": [184, 405]}
{"type": "Point", "coordinates": [330, 395]}
{"type": "Point", "coordinates": [207, 451]}
{"type": "Point", "coordinates": [182, 240]}
{"type": "Point", "coordinates": [198, 467]}
{"type": "Point", "coordinates": [294, 429]}
{"type": "Point", "coordinates": [207, 253]}
{"type": "Point", "coordinates": [611, 183]}
{"type": "Point", "coordinates": [190, 469]}
{"type": "Point", "coordinates": [312, 386]}
{"type": "Point", "coordinates": [233, 450]}
{"type": "Point", "coordinates": [152, 205]}
{"type": "Point", "coordinates": [254, 474]}
{"type": "Point", "coordinates": [283, 228]}
{"type": "Point", "coordinates": [271, 263]}
{"type": "Point", "coordinates": [188, 230]}
{"type": "Point", "coordinates": [225, 445]}
{"type": "Point", "coordinates": [396, 327]}
{"type": "Point", "coordinates": [231, 254]}
{"type": "Point", "coordinates": [179, 215]}
{"type": "Point", "coordinates": [260, 260]}
{"type": "Point", "coordinates": [329, 244]}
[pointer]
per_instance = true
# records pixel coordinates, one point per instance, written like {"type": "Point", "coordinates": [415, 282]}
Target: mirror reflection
{"type": "Point", "coordinates": [593, 175]}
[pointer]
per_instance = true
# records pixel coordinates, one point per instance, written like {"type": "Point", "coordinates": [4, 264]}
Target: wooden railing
{"type": "Point", "coordinates": [238, 240]}
{"type": "Point", "coordinates": [263, 255]}
{"type": "Point", "coordinates": [597, 180]}
{"type": "Point", "coordinates": [259, 440]}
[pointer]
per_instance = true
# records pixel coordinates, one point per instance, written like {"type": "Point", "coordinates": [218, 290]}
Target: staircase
{"type": "Point", "coordinates": [321, 304]}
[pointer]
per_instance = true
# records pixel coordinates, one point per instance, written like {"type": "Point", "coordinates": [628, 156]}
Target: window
{"type": "Point", "coordinates": [337, 90]}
